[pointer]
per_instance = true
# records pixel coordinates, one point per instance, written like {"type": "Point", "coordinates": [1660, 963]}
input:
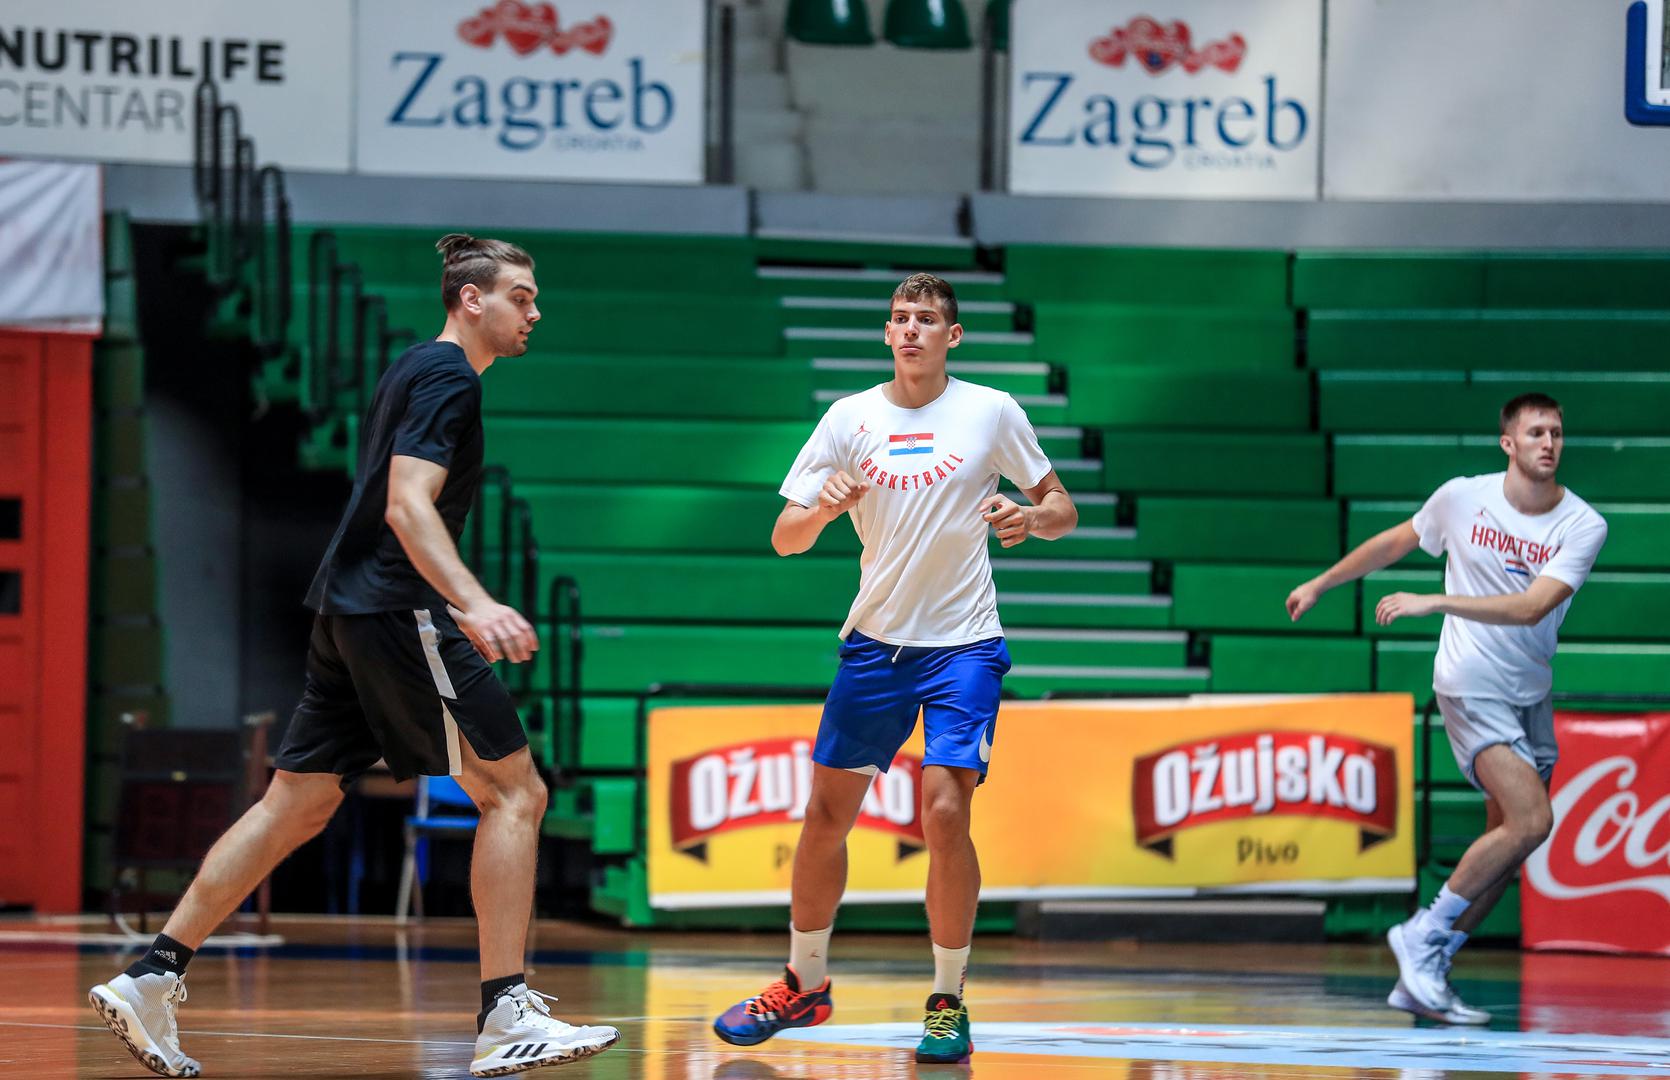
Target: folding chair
{"type": "Point", "coordinates": [433, 793]}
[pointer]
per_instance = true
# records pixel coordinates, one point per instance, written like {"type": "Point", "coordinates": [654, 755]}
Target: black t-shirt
{"type": "Point", "coordinates": [427, 405]}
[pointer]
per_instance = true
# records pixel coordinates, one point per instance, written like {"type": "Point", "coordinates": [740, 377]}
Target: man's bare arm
{"type": "Point", "coordinates": [1503, 609]}
{"type": "Point", "coordinates": [1377, 552]}
{"type": "Point", "coordinates": [798, 527]}
{"type": "Point", "coordinates": [496, 630]}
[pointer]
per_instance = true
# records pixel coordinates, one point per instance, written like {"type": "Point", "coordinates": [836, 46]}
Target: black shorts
{"type": "Point", "coordinates": [401, 686]}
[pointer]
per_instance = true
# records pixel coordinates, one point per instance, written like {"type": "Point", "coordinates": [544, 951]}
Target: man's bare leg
{"type": "Point", "coordinates": [953, 866]}
{"type": "Point", "coordinates": [138, 1005]}
{"type": "Point", "coordinates": [1519, 819]}
{"type": "Point", "coordinates": [820, 857]}
{"type": "Point", "coordinates": [512, 799]}
{"type": "Point", "coordinates": [293, 811]}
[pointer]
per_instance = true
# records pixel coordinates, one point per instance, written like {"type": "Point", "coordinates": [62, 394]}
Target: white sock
{"type": "Point", "coordinates": [1442, 913]}
{"type": "Point", "coordinates": [950, 970]}
{"type": "Point", "coordinates": [809, 955]}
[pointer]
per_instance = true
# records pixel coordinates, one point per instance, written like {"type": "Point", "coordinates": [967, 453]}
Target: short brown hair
{"type": "Point", "coordinates": [467, 260]}
{"type": "Point", "coordinates": [919, 287]}
{"type": "Point", "coordinates": [1532, 400]}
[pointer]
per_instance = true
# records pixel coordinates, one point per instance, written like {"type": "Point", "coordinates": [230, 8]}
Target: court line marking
{"type": "Point", "coordinates": [753, 1052]}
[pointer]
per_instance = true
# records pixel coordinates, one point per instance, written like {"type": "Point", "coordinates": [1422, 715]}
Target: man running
{"type": "Point", "coordinates": [1518, 545]}
{"type": "Point", "coordinates": [915, 462]}
{"type": "Point", "coordinates": [397, 669]}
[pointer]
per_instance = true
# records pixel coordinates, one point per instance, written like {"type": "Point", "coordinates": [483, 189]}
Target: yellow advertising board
{"type": "Point", "coordinates": [1084, 799]}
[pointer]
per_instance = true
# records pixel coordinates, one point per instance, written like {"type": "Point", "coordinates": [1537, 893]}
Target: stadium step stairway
{"type": "Point", "coordinates": [873, 286]}
{"type": "Point", "coordinates": [870, 313]}
{"type": "Point", "coordinates": [1461, 402]}
{"type": "Point", "coordinates": [629, 658]}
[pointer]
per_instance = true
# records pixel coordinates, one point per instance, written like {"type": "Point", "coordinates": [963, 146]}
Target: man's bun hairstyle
{"type": "Point", "coordinates": [470, 260]}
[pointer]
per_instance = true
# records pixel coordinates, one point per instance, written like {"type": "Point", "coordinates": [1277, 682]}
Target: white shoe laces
{"type": "Point", "coordinates": [175, 995]}
{"type": "Point", "coordinates": [534, 1002]}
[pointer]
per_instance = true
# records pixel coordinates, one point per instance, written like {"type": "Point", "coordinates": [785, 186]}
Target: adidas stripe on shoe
{"type": "Point", "coordinates": [519, 1033]}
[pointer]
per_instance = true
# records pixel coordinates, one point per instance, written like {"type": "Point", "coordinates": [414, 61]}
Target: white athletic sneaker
{"type": "Point", "coordinates": [520, 1033]}
{"type": "Point", "coordinates": [1421, 965]}
{"type": "Point", "coordinates": [140, 1012]}
{"type": "Point", "coordinates": [1457, 1012]}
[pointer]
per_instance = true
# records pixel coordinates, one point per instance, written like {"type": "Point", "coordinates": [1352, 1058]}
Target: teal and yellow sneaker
{"type": "Point", "coordinates": [945, 1037]}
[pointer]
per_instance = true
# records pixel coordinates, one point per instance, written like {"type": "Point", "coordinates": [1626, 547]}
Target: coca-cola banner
{"type": "Point", "coordinates": [1084, 799]}
{"type": "Point", "coordinates": [1602, 881]}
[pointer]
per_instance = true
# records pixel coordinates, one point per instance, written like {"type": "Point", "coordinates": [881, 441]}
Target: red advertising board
{"type": "Point", "coordinates": [1602, 881]}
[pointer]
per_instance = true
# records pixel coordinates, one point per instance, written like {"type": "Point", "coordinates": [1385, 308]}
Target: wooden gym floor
{"type": "Point", "coordinates": [358, 998]}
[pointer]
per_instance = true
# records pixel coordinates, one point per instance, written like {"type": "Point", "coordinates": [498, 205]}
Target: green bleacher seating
{"type": "Point", "coordinates": [695, 324]}
{"type": "Point", "coordinates": [1203, 529]}
{"type": "Point", "coordinates": [1024, 380]}
{"type": "Point", "coordinates": [665, 518]}
{"type": "Point", "coordinates": [1214, 596]}
{"type": "Point", "coordinates": [1409, 402]}
{"type": "Point", "coordinates": [1174, 337]}
{"type": "Point", "coordinates": [622, 658]}
{"type": "Point", "coordinates": [1209, 278]}
{"type": "Point", "coordinates": [908, 256]}
{"type": "Point", "coordinates": [1520, 340]}
{"type": "Point", "coordinates": [715, 453]}
{"type": "Point", "coordinates": [1413, 466]}
{"type": "Point", "coordinates": [1268, 664]}
{"type": "Point", "coordinates": [621, 262]}
{"type": "Point", "coordinates": [541, 384]}
{"type": "Point", "coordinates": [870, 313]}
{"type": "Point", "coordinates": [1214, 463]}
{"type": "Point", "coordinates": [761, 588]}
{"type": "Point", "coordinates": [1614, 280]}
{"type": "Point", "coordinates": [1157, 397]}
{"type": "Point", "coordinates": [1001, 346]}
{"type": "Point", "coordinates": [873, 285]}
{"type": "Point", "coordinates": [1368, 280]}
{"type": "Point", "coordinates": [1609, 280]}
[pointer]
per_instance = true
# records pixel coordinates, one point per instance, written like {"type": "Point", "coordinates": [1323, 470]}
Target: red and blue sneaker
{"type": "Point", "coordinates": [781, 1005]}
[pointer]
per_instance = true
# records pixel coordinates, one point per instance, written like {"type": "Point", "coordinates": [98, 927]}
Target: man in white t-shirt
{"type": "Point", "coordinates": [1517, 546]}
{"type": "Point", "coordinates": [915, 463]}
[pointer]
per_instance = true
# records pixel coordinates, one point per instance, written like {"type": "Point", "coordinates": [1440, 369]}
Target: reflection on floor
{"type": "Point", "coordinates": [356, 998]}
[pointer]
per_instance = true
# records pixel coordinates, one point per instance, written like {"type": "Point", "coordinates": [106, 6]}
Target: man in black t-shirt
{"type": "Point", "coordinates": [397, 669]}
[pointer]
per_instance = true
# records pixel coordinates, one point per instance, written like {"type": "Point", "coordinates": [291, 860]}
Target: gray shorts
{"type": "Point", "coordinates": [1475, 723]}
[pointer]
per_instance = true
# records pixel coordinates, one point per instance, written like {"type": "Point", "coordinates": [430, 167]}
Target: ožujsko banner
{"type": "Point", "coordinates": [613, 90]}
{"type": "Point", "coordinates": [1185, 99]}
{"type": "Point", "coordinates": [1602, 881]}
{"type": "Point", "coordinates": [1084, 799]}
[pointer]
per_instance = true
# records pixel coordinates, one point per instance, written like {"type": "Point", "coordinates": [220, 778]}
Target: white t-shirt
{"type": "Point", "coordinates": [924, 576]}
{"type": "Point", "coordinates": [1493, 550]}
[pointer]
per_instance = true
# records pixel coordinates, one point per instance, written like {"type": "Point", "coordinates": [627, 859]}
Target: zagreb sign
{"type": "Point", "coordinates": [610, 92]}
{"type": "Point", "coordinates": [1198, 98]}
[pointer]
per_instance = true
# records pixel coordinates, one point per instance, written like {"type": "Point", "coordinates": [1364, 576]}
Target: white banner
{"type": "Point", "coordinates": [1186, 99]}
{"type": "Point", "coordinates": [113, 80]}
{"type": "Point", "coordinates": [1514, 100]}
{"type": "Point", "coordinates": [51, 244]}
{"type": "Point", "coordinates": [613, 90]}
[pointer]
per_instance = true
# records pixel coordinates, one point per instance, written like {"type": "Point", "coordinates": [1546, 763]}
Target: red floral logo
{"type": "Point", "coordinates": [1160, 46]}
{"type": "Point", "coordinates": [527, 28]}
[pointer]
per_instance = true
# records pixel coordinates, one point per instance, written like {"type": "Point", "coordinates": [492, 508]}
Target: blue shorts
{"type": "Point", "coordinates": [879, 688]}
